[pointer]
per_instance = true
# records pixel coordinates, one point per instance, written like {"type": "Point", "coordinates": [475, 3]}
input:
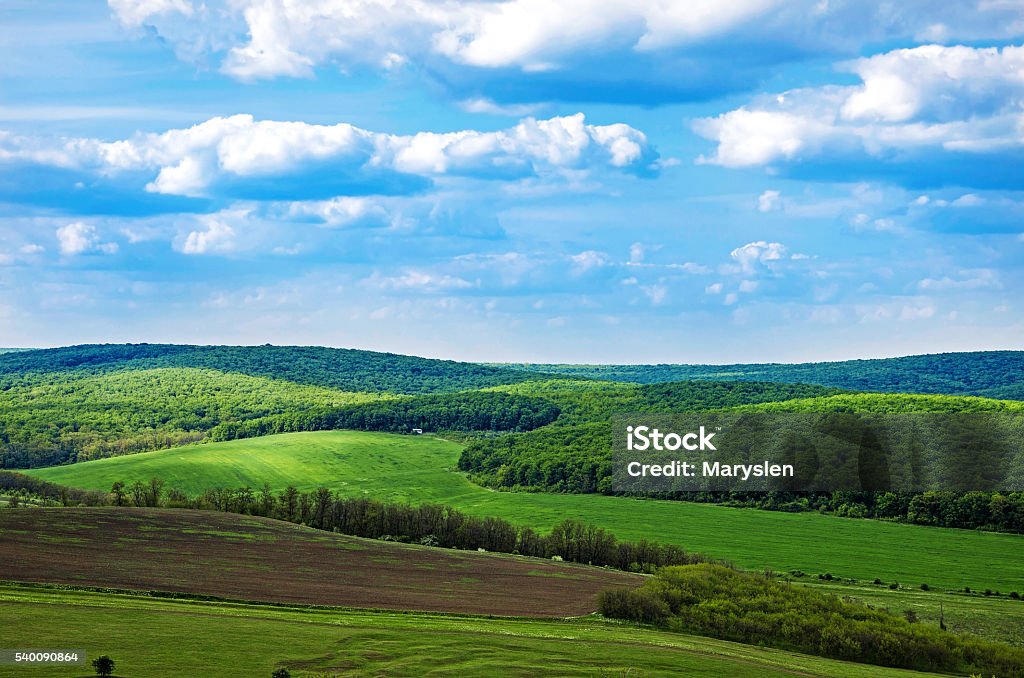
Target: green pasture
{"type": "Point", "coordinates": [154, 637]}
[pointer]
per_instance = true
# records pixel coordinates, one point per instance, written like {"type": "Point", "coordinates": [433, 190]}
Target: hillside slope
{"type": "Point", "coordinates": [153, 637]}
{"type": "Point", "coordinates": [250, 558]}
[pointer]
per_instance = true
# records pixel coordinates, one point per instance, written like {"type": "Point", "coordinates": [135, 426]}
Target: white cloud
{"type": "Point", "coordinates": [769, 201]}
{"type": "Point", "coordinates": [290, 37]}
{"type": "Point", "coordinates": [589, 260]}
{"type": "Point", "coordinates": [714, 288]}
{"type": "Point", "coordinates": [761, 252]}
{"type": "Point", "coordinates": [636, 253]}
{"type": "Point", "coordinates": [136, 12]}
{"type": "Point", "coordinates": [217, 238]}
{"type": "Point", "coordinates": [864, 223]}
{"type": "Point", "coordinates": [419, 281]}
{"type": "Point", "coordinates": [968, 200]}
{"type": "Point", "coordinates": [968, 280]}
{"type": "Point", "coordinates": [344, 212]}
{"type": "Point", "coordinates": [191, 161]}
{"type": "Point", "coordinates": [748, 286]}
{"type": "Point", "coordinates": [484, 105]}
{"type": "Point", "coordinates": [692, 268]}
{"type": "Point", "coordinates": [931, 97]}
{"type": "Point", "coordinates": [270, 38]}
{"type": "Point", "coordinates": [78, 238]}
{"type": "Point", "coordinates": [655, 293]}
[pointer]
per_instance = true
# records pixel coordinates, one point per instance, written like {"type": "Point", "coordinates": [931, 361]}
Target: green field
{"type": "Point", "coordinates": [418, 469]}
{"type": "Point", "coordinates": [992, 618]}
{"type": "Point", "coordinates": [153, 637]}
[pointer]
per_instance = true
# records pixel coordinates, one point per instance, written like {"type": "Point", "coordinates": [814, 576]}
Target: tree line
{"type": "Point", "coordinates": [468, 411]}
{"type": "Point", "coordinates": [425, 524]}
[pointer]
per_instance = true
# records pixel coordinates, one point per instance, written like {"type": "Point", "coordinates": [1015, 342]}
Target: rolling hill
{"type": "Point", "coordinates": [420, 469]}
{"type": "Point", "coordinates": [206, 553]}
{"type": "Point", "coordinates": [157, 637]}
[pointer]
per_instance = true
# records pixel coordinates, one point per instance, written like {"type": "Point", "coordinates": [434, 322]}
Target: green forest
{"type": "Point", "coordinates": [994, 374]}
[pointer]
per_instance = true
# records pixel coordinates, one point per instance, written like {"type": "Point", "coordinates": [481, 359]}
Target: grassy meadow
{"type": "Point", "coordinates": [148, 636]}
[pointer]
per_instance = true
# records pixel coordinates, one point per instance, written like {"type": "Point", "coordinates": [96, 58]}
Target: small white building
{"type": "Point", "coordinates": [418, 431]}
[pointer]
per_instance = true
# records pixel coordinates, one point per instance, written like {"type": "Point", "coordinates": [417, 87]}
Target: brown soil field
{"type": "Point", "coordinates": [250, 558]}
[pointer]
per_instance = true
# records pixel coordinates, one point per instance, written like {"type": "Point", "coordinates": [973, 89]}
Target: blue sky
{"type": "Point", "coordinates": [583, 181]}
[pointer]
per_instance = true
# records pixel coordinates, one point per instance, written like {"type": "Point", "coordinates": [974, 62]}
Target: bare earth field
{"type": "Point", "coordinates": [250, 558]}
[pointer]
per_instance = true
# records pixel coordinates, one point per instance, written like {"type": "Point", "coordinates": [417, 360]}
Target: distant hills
{"type": "Point", "coordinates": [82, 402]}
{"type": "Point", "coordinates": [993, 374]}
{"type": "Point", "coordinates": [339, 368]}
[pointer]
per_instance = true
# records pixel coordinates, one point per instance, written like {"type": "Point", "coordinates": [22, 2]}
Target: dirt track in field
{"type": "Point", "coordinates": [251, 558]}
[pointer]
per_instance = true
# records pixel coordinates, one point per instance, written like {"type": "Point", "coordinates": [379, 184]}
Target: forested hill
{"type": "Point", "coordinates": [994, 374]}
{"type": "Point", "coordinates": [344, 369]}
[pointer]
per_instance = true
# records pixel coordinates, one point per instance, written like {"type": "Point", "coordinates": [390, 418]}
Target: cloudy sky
{"type": "Point", "coordinates": [587, 180]}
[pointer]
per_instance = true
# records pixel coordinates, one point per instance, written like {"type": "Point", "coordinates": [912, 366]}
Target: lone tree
{"type": "Point", "coordinates": [104, 665]}
{"type": "Point", "coordinates": [281, 673]}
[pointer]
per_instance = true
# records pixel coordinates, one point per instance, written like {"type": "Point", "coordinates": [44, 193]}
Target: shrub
{"type": "Point", "coordinates": [925, 587]}
{"type": "Point", "coordinates": [103, 665]}
{"type": "Point", "coordinates": [639, 605]}
{"type": "Point", "coordinates": [716, 601]}
{"type": "Point", "coordinates": [281, 673]}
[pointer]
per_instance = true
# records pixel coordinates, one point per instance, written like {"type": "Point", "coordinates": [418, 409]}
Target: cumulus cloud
{"type": "Point", "coordinates": [218, 237]}
{"type": "Point", "coordinates": [759, 253]}
{"type": "Point", "coordinates": [609, 46]}
{"type": "Point", "coordinates": [913, 104]}
{"type": "Point", "coordinates": [78, 238]}
{"type": "Point", "coordinates": [241, 156]}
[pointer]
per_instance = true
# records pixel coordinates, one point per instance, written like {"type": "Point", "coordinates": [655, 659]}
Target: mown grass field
{"type": "Point", "coordinates": [418, 469]}
{"type": "Point", "coordinates": [993, 618]}
{"type": "Point", "coordinates": [251, 558]}
{"type": "Point", "coordinates": [154, 637]}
